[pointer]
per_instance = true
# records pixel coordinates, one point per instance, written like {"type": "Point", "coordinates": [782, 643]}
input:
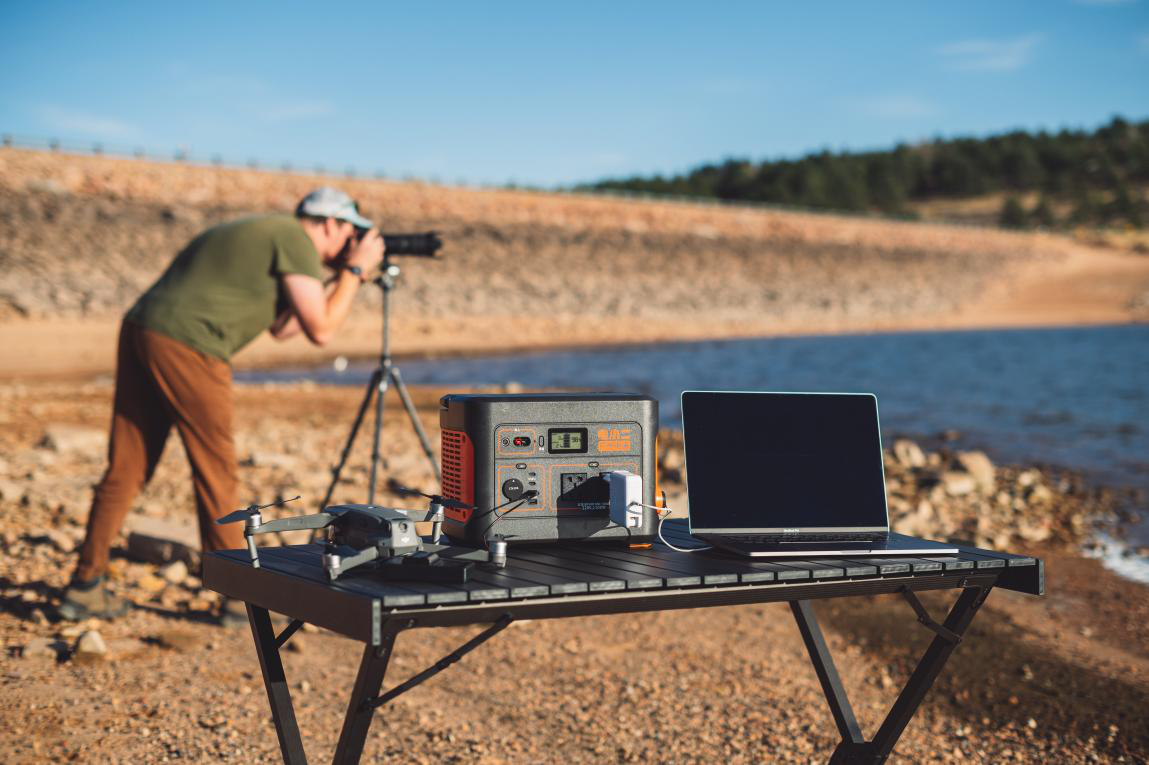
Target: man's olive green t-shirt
{"type": "Point", "coordinates": [224, 288]}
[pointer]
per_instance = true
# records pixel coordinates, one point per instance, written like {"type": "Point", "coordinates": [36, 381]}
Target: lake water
{"type": "Point", "coordinates": [1075, 397]}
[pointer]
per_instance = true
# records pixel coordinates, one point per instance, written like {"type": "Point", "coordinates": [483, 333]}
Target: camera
{"type": "Point", "coordinates": [423, 245]}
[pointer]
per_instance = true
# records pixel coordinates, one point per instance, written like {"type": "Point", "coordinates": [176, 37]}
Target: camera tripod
{"type": "Point", "coordinates": [385, 375]}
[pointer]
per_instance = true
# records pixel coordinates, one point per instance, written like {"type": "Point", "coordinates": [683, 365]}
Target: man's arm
{"type": "Point", "coordinates": [286, 325]}
{"type": "Point", "coordinates": [318, 313]}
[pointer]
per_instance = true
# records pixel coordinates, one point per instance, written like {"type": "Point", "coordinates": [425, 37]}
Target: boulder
{"type": "Point", "coordinates": [175, 572]}
{"type": "Point", "coordinates": [978, 465]}
{"type": "Point", "coordinates": [91, 645]}
{"type": "Point", "coordinates": [181, 641]}
{"type": "Point", "coordinates": [958, 484]}
{"type": "Point", "coordinates": [909, 454]}
{"type": "Point", "coordinates": [1028, 478]}
{"type": "Point", "coordinates": [42, 648]}
{"type": "Point", "coordinates": [160, 541]}
{"type": "Point", "coordinates": [78, 439]}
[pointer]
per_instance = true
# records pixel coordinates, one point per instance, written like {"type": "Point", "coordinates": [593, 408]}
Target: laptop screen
{"type": "Point", "coordinates": [769, 462]}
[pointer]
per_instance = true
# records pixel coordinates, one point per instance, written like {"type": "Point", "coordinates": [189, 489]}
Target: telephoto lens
{"type": "Point", "coordinates": [419, 245]}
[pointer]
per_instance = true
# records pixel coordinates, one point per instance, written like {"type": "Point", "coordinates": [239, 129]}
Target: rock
{"type": "Point", "coordinates": [175, 572]}
{"type": "Point", "coordinates": [91, 645]}
{"type": "Point", "coordinates": [180, 641]}
{"type": "Point", "coordinates": [1028, 478]}
{"type": "Point", "coordinates": [62, 541]}
{"type": "Point", "coordinates": [125, 648]}
{"type": "Point", "coordinates": [75, 630]}
{"type": "Point", "coordinates": [10, 491]}
{"type": "Point", "coordinates": [152, 584]}
{"type": "Point", "coordinates": [270, 460]}
{"type": "Point", "coordinates": [958, 484]}
{"type": "Point", "coordinates": [78, 439]}
{"type": "Point", "coordinates": [978, 465]}
{"type": "Point", "coordinates": [1040, 494]}
{"type": "Point", "coordinates": [1034, 531]}
{"type": "Point", "coordinates": [42, 648]}
{"type": "Point", "coordinates": [909, 454]}
{"type": "Point", "coordinates": [672, 459]}
{"type": "Point", "coordinates": [159, 541]}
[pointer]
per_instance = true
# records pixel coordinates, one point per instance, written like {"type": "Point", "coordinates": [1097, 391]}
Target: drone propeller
{"type": "Point", "coordinates": [407, 491]}
{"type": "Point", "coordinates": [245, 513]}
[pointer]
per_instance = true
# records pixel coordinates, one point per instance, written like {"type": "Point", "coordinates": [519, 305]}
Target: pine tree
{"type": "Point", "coordinates": [1042, 213]}
{"type": "Point", "coordinates": [1012, 213]}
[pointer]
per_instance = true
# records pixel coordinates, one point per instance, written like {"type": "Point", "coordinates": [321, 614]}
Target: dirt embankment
{"type": "Point", "coordinates": [81, 237]}
{"type": "Point", "coordinates": [1038, 680]}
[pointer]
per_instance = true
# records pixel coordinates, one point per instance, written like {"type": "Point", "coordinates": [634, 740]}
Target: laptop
{"type": "Point", "coordinates": [790, 474]}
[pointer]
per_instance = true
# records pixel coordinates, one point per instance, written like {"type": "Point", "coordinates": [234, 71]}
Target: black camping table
{"type": "Point", "coordinates": [560, 580]}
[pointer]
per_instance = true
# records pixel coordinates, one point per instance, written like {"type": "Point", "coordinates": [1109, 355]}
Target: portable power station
{"type": "Point", "coordinates": [498, 449]}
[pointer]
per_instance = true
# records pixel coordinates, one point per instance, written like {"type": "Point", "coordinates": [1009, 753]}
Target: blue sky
{"type": "Point", "coordinates": [547, 93]}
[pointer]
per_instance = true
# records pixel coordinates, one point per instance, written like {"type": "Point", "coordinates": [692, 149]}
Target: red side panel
{"type": "Point", "coordinates": [458, 472]}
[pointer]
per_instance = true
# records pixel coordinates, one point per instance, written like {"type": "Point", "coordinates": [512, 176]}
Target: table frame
{"type": "Point", "coordinates": [366, 619]}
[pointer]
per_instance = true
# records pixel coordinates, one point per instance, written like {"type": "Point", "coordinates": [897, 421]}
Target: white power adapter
{"type": "Point", "coordinates": [625, 498]}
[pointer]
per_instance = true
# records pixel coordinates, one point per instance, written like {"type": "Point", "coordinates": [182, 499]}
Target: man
{"type": "Point", "coordinates": [226, 287]}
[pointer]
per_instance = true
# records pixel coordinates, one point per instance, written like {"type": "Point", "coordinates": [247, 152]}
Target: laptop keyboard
{"type": "Point", "coordinates": [771, 539]}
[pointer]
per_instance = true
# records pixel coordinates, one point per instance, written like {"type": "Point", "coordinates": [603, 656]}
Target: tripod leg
{"type": "Point", "coordinates": [372, 384]}
{"type": "Point", "coordinates": [376, 458]}
{"type": "Point", "coordinates": [414, 415]}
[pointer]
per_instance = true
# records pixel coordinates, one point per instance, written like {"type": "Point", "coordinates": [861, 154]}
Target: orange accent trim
{"type": "Point", "coordinates": [458, 472]}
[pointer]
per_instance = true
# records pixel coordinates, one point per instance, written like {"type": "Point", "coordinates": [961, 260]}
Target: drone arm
{"type": "Point", "coordinates": [337, 564]}
{"type": "Point", "coordinates": [296, 523]}
{"type": "Point", "coordinates": [434, 516]}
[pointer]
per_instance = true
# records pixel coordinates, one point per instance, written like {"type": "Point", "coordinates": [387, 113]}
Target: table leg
{"type": "Point", "coordinates": [278, 694]}
{"type": "Point", "coordinates": [827, 673]}
{"type": "Point", "coordinates": [372, 668]}
{"type": "Point", "coordinates": [853, 747]}
{"type": "Point", "coordinates": [928, 669]}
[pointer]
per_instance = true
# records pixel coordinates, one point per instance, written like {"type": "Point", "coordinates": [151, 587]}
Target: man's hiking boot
{"type": "Point", "coordinates": [233, 614]}
{"type": "Point", "coordinates": [87, 600]}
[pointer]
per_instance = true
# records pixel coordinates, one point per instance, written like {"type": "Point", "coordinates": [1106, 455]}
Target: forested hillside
{"type": "Point", "coordinates": [1066, 178]}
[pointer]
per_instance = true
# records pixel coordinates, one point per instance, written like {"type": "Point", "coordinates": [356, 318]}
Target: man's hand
{"type": "Point", "coordinates": [367, 253]}
{"type": "Point", "coordinates": [320, 314]}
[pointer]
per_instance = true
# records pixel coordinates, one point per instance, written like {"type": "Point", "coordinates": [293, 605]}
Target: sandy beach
{"type": "Point", "coordinates": [1064, 678]}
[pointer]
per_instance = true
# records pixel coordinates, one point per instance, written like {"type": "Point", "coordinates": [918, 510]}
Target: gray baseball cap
{"type": "Point", "coordinates": [328, 202]}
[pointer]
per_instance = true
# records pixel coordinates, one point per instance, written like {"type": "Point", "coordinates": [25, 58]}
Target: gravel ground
{"type": "Point", "coordinates": [1057, 679]}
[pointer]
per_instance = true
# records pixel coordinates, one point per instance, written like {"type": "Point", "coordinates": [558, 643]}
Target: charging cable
{"type": "Point", "coordinates": [663, 513]}
{"type": "Point", "coordinates": [518, 502]}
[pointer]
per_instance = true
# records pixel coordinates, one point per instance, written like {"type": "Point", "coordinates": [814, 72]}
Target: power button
{"type": "Point", "coordinates": [512, 488]}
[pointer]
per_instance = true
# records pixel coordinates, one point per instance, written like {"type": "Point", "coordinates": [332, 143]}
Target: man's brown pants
{"type": "Point", "coordinates": [161, 382]}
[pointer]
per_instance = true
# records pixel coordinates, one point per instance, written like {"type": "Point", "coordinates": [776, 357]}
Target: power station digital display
{"type": "Point", "coordinates": [567, 440]}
